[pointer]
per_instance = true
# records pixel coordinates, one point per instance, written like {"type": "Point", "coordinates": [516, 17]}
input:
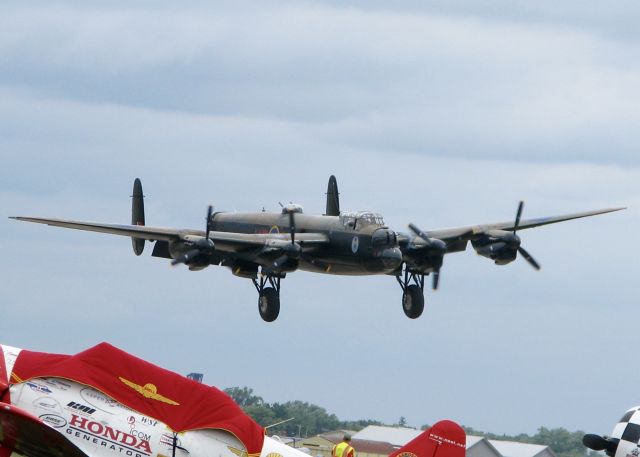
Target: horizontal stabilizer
{"type": "Point", "coordinates": [29, 436]}
{"type": "Point", "coordinates": [444, 439]}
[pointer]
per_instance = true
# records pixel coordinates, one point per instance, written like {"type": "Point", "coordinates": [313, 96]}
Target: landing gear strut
{"type": "Point", "coordinates": [268, 297]}
{"type": "Point", "coordinates": [412, 293]}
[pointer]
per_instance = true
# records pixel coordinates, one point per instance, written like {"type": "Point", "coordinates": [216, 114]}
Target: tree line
{"type": "Point", "coordinates": [311, 420]}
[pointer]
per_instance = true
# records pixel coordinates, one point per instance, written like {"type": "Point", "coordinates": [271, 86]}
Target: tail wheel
{"type": "Point", "coordinates": [269, 304]}
{"type": "Point", "coordinates": [413, 301]}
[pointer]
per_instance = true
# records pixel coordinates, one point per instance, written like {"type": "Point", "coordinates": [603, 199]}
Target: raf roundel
{"type": "Point", "coordinates": [355, 243]}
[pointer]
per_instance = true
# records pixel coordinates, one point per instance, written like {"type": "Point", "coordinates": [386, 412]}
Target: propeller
{"type": "Point", "coordinates": [438, 247]}
{"type": "Point", "coordinates": [292, 250]}
{"type": "Point", "coordinates": [528, 257]}
{"type": "Point", "coordinates": [200, 246]}
{"type": "Point", "coordinates": [600, 443]}
{"type": "Point", "coordinates": [208, 222]}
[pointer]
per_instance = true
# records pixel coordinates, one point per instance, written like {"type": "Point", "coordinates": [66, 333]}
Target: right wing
{"type": "Point", "coordinates": [27, 435]}
{"type": "Point", "coordinates": [451, 235]}
{"type": "Point", "coordinates": [224, 241]}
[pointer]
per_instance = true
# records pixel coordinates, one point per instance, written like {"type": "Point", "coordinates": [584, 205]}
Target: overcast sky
{"type": "Point", "coordinates": [440, 113]}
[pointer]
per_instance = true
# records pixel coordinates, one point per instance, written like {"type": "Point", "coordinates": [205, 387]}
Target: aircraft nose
{"type": "Point", "coordinates": [391, 258]}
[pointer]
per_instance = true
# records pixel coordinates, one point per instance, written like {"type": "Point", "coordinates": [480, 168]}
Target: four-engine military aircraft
{"type": "Point", "coordinates": [264, 247]}
{"type": "Point", "coordinates": [104, 402]}
{"type": "Point", "coordinates": [624, 440]}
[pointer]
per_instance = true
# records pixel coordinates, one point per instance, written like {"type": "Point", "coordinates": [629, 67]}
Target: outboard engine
{"type": "Point", "coordinates": [498, 245]}
{"type": "Point", "coordinates": [196, 257]}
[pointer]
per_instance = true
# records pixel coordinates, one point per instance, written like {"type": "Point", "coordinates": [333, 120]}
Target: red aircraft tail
{"type": "Point", "coordinates": [444, 439]}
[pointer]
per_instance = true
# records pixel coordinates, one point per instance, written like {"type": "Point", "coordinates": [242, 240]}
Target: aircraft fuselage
{"type": "Point", "coordinates": [356, 245]}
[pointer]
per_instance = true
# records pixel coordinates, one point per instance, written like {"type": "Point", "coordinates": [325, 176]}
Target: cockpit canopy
{"type": "Point", "coordinates": [360, 218]}
{"type": "Point", "coordinates": [292, 208]}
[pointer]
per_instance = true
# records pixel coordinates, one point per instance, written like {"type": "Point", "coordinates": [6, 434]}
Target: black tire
{"type": "Point", "coordinates": [269, 304]}
{"type": "Point", "coordinates": [413, 301]}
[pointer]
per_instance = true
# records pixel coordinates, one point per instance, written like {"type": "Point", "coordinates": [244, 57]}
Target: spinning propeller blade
{"type": "Point", "coordinates": [208, 227]}
{"type": "Point", "coordinates": [201, 246]}
{"type": "Point", "coordinates": [518, 214]}
{"type": "Point", "coordinates": [436, 279]}
{"type": "Point", "coordinates": [292, 227]}
{"type": "Point", "coordinates": [438, 246]}
{"type": "Point", "coordinates": [528, 257]}
{"type": "Point", "coordinates": [291, 251]}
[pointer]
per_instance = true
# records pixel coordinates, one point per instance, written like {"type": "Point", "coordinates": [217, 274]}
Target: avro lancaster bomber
{"type": "Point", "coordinates": [264, 246]}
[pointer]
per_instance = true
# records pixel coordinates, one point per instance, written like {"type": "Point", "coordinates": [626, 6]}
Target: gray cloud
{"type": "Point", "coordinates": [438, 84]}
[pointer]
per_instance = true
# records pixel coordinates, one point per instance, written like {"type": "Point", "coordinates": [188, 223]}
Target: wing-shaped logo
{"type": "Point", "coordinates": [148, 391]}
{"type": "Point", "coordinates": [407, 454]}
{"type": "Point", "coordinates": [243, 453]}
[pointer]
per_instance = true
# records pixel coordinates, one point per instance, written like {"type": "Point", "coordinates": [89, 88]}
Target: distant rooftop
{"type": "Point", "coordinates": [397, 436]}
{"type": "Point", "coordinates": [516, 449]}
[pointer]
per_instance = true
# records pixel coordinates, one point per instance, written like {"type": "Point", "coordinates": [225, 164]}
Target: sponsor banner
{"type": "Point", "coordinates": [37, 387]}
{"type": "Point", "coordinates": [72, 405]}
{"type": "Point", "coordinates": [53, 420]}
{"type": "Point", "coordinates": [105, 436]}
{"type": "Point", "coordinates": [167, 440]}
{"type": "Point", "coordinates": [58, 384]}
{"type": "Point", "coordinates": [48, 404]}
{"type": "Point", "coordinates": [100, 401]}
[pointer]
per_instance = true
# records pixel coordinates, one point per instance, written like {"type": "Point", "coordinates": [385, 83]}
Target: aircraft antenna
{"type": "Point", "coordinates": [279, 423]}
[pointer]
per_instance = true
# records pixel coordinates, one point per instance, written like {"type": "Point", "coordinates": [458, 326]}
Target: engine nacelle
{"type": "Point", "coordinates": [180, 248]}
{"type": "Point", "coordinates": [425, 258]}
{"type": "Point", "coordinates": [497, 245]}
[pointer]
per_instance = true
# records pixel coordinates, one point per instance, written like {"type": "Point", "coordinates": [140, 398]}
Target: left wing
{"type": "Point", "coordinates": [224, 241]}
{"type": "Point", "coordinates": [29, 436]}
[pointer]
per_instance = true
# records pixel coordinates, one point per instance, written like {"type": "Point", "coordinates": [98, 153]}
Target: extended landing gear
{"type": "Point", "coordinates": [412, 294]}
{"type": "Point", "coordinates": [268, 297]}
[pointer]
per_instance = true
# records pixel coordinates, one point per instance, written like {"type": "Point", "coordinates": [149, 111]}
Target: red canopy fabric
{"type": "Point", "coordinates": [179, 402]}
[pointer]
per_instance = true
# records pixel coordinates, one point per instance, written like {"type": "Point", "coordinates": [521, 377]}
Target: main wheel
{"type": "Point", "coordinates": [269, 304]}
{"type": "Point", "coordinates": [413, 301]}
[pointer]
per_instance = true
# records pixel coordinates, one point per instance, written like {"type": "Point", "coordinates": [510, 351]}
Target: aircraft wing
{"type": "Point", "coordinates": [224, 241]}
{"type": "Point", "coordinates": [452, 235]}
{"type": "Point", "coordinates": [29, 436]}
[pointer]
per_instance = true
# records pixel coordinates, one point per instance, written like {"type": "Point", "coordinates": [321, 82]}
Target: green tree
{"type": "Point", "coordinates": [262, 414]}
{"type": "Point", "coordinates": [243, 396]}
{"type": "Point", "coordinates": [563, 442]}
{"type": "Point", "coordinates": [310, 419]}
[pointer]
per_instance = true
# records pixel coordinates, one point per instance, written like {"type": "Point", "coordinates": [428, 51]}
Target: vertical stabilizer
{"type": "Point", "coordinates": [444, 439]}
{"type": "Point", "coordinates": [333, 198]}
{"type": "Point", "coordinates": [137, 214]}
